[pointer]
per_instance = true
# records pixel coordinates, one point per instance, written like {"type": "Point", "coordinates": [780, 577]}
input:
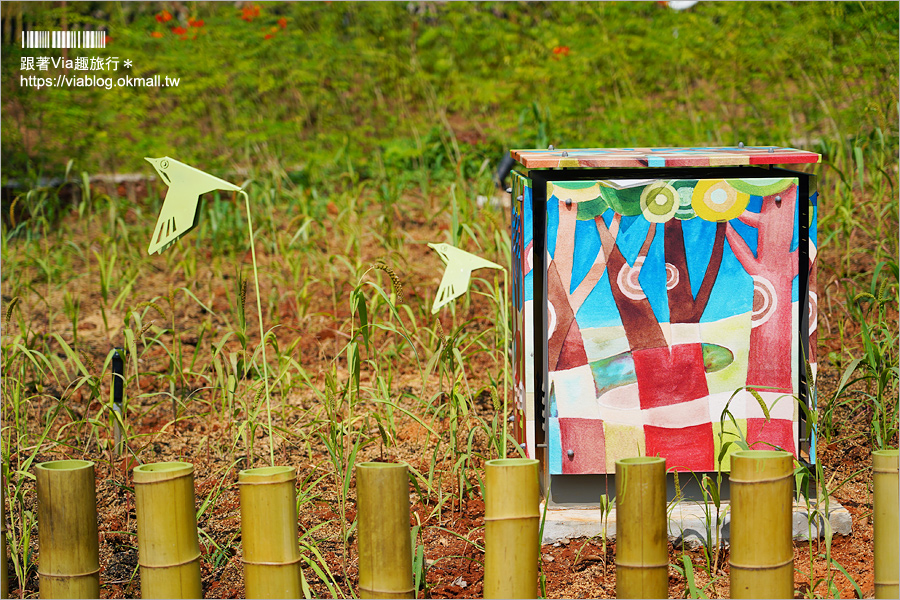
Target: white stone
{"type": "Point", "coordinates": [688, 522]}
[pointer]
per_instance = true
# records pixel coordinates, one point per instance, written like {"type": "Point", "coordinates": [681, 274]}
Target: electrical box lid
{"type": "Point", "coordinates": [663, 157]}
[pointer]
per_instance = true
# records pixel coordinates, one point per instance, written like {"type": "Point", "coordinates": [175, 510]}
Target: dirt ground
{"type": "Point", "coordinates": [452, 532]}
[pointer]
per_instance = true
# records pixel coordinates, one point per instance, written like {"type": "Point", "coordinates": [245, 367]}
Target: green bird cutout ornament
{"type": "Point", "coordinates": [458, 273]}
{"type": "Point", "coordinates": [179, 210]}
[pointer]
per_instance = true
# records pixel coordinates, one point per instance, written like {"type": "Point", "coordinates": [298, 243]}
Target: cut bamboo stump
{"type": "Point", "coordinates": [385, 547]}
{"type": "Point", "coordinates": [67, 530]}
{"type": "Point", "coordinates": [168, 548]}
{"type": "Point", "coordinates": [511, 528]}
{"type": "Point", "coordinates": [762, 553]}
{"type": "Point", "coordinates": [885, 464]}
{"type": "Point", "coordinates": [4, 580]}
{"type": "Point", "coordinates": [642, 551]}
{"type": "Point", "coordinates": [269, 533]}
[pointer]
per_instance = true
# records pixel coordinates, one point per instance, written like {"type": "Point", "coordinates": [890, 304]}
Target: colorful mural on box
{"type": "Point", "coordinates": [664, 298]}
{"type": "Point", "coordinates": [523, 310]}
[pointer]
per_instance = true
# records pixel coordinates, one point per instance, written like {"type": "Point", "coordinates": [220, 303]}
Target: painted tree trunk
{"type": "Point", "coordinates": [773, 269]}
{"type": "Point", "coordinates": [565, 344]}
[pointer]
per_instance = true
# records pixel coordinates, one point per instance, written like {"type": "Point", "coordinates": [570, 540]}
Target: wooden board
{"type": "Point", "coordinates": [663, 157]}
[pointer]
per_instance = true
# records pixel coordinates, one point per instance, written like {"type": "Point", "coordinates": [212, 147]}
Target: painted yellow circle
{"type": "Point", "coordinates": [576, 191]}
{"type": "Point", "coordinates": [715, 200]}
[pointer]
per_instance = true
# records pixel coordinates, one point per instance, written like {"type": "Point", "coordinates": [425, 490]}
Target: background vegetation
{"type": "Point", "coordinates": [385, 85]}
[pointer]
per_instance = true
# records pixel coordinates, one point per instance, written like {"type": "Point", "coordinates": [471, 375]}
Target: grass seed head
{"type": "Point", "coordinates": [88, 361]}
{"type": "Point", "coordinates": [396, 284]}
{"type": "Point", "coordinates": [154, 306]}
{"type": "Point", "coordinates": [9, 311]}
{"type": "Point", "coordinates": [440, 332]}
{"type": "Point", "coordinates": [12, 212]}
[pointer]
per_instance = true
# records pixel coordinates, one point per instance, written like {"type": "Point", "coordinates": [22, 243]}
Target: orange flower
{"type": "Point", "coordinates": [179, 30]}
{"type": "Point", "coordinates": [156, 34]}
{"type": "Point", "coordinates": [107, 39]}
{"type": "Point", "coordinates": [195, 22]}
{"type": "Point", "coordinates": [561, 50]}
{"type": "Point", "coordinates": [282, 22]}
{"type": "Point", "coordinates": [269, 36]}
{"type": "Point", "coordinates": [248, 13]}
{"type": "Point", "coordinates": [164, 17]}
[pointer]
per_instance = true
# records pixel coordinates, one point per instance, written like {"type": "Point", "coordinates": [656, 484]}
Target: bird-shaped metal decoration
{"type": "Point", "coordinates": [458, 273]}
{"type": "Point", "coordinates": [179, 210]}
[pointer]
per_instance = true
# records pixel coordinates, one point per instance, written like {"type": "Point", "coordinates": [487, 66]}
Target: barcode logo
{"type": "Point", "coordinates": [64, 39]}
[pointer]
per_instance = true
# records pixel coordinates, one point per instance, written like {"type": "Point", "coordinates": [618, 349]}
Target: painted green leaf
{"type": "Point", "coordinates": [761, 187]}
{"type": "Point", "coordinates": [626, 202]}
{"type": "Point", "coordinates": [591, 209]}
{"type": "Point", "coordinates": [716, 357]}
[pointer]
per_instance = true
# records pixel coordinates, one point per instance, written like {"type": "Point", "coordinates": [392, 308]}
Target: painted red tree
{"type": "Point", "coordinates": [773, 268]}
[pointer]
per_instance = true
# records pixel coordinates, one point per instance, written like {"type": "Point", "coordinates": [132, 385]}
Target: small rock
{"type": "Point", "coordinates": [460, 582]}
{"type": "Point", "coordinates": [547, 558]}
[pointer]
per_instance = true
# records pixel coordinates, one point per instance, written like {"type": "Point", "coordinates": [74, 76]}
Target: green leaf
{"type": "Point", "coordinates": [712, 488]}
{"type": "Point", "coordinates": [689, 577]}
{"type": "Point", "coordinates": [852, 581]}
{"type": "Point", "coordinates": [851, 368]}
{"type": "Point", "coordinates": [353, 363]}
{"type": "Point", "coordinates": [860, 169]}
{"type": "Point", "coordinates": [358, 302]}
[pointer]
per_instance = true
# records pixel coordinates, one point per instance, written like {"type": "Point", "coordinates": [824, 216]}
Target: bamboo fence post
{"type": "Point", "coordinates": [885, 464]}
{"type": "Point", "coordinates": [67, 530]}
{"type": "Point", "coordinates": [269, 532]}
{"type": "Point", "coordinates": [511, 528]}
{"type": "Point", "coordinates": [168, 548]}
{"type": "Point", "coordinates": [385, 547]}
{"type": "Point", "coordinates": [642, 550]}
{"type": "Point", "coordinates": [762, 552]}
{"type": "Point", "coordinates": [4, 579]}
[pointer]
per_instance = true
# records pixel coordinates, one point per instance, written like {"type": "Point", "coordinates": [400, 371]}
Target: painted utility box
{"type": "Point", "coordinates": [652, 288]}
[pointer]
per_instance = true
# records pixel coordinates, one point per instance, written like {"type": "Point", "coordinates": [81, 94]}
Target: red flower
{"type": "Point", "coordinates": [248, 13]}
{"type": "Point", "coordinates": [179, 30]}
{"type": "Point", "coordinates": [107, 39]}
{"type": "Point", "coordinates": [564, 50]}
{"type": "Point", "coordinates": [282, 22]}
{"type": "Point", "coordinates": [156, 34]}
{"type": "Point", "coordinates": [269, 36]}
{"type": "Point", "coordinates": [195, 22]}
{"type": "Point", "coordinates": [164, 17]}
